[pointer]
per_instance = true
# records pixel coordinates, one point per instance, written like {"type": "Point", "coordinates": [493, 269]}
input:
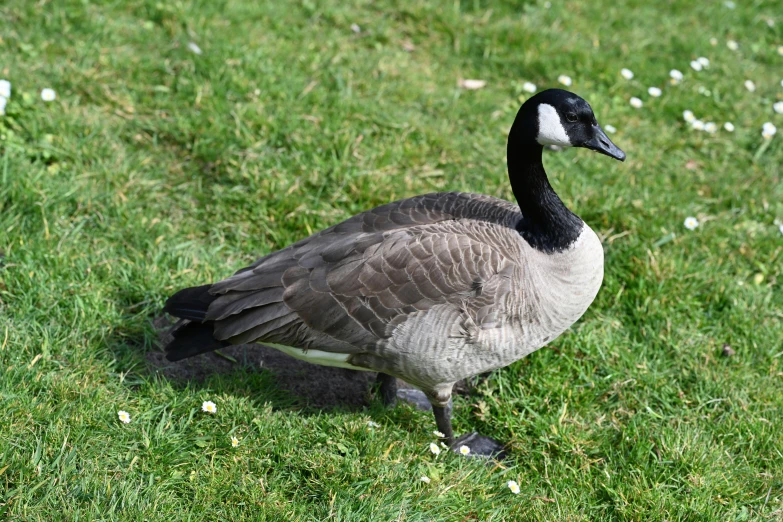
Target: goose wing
{"type": "Point", "coordinates": [348, 287]}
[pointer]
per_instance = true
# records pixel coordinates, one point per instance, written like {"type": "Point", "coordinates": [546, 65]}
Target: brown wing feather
{"type": "Point", "coordinates": [348, 286]}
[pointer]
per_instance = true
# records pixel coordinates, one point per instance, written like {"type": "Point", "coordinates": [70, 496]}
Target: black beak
{"type": "Point", "coordinates": [600, 143]}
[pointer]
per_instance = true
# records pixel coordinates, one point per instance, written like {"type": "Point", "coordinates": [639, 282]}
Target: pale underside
{"type": "Point", "coordinates": [431, 289]}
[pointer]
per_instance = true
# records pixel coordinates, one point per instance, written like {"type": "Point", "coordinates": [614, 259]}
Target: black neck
{"type": "Point", "coordinates": [546, 222]}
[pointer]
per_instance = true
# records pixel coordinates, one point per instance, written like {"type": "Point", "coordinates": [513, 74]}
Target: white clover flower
{"type": "Point", "coordinates": [194, 48]}
{"type": "Point", "coordinates": [234, 442]}
{"type": "Point", "coordinates": [610, 129]}
{"type": "Point", "coordinates": [124, 416]}
{"type": "Point", "coordinates": [464, 450]}
{"type": "Point", "coordinates": [209, 407]}
{"type": "Point", "coordinates": [355, 28]}
{"type": "Point", "coordinates": [732, 45]}
{"type": "Point", "coordinates": [749, 85]}
{"type": "Point", "coordinates": [438, 434]}
{"type": "Point", "coordinates": [703, 61]}
{"type": "Point", "coordinates": [768, 130]}
{"type": "Point", "coordinates": [626, 73]}
{"type": "Point", "coordinates": [655, 92]}
{"type": "Point", "coordinates": [676, 76]}
{"type": "Point", "coordinates": [529, 87]}
{"type": "Point", "coordinates": [425, 479]}
{"type": "Point", "coordinates": [729, 126]}
{"type": "Point", "coordinates": [472, 85]}
{"type": "Point", "coordinates": [513, 486]}
{"type": "Point", "coordinates": [434, 448]}
{"type": "Point", "coordinates": [691, 223]}
{"type": "Point", "coordinates": [778, 107]}
{"type": "Point", "coordinates": [3, 102]}
{"type": "Point", "coordinates": [688, 116]}
{"type": "Point", "coordinates": [636, 103]}
{"type": "Point", "coordinates": [48, 95]}
{"type": "Point", "coordinates": [565, 80]}
{"type": "Point", "coordinates": [5, 88]}
{"type": "Point", "coordinates": [697, 124]}
{"type": "Point", "coordinates": [696, 65]}
{"type": "Point", "coordinates": [711, 127]}
{"type": "Point", "coordinates": [373, 424]}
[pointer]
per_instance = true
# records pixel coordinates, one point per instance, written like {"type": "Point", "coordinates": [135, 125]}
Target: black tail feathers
{"type": "Point", "coordinates": [194, 337]}
{"type": "Point", "coordinates": [190, 303]}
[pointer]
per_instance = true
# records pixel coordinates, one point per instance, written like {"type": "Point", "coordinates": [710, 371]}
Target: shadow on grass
{"type": "Point", "coordinates": [281, 380]}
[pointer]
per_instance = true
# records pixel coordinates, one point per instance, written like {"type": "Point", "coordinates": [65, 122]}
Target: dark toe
{"type": "Point", "coordinates": [480, 446]}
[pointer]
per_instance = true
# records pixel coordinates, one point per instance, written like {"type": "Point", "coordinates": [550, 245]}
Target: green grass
{"type": "Point", "coordinates": [157, 168]}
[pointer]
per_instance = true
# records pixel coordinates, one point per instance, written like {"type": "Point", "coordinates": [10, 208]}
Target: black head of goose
{"type": "Point", "coordinates": [430, 289]}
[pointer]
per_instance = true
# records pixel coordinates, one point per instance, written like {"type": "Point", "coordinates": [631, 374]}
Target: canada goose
{"type": "Point", "coordinates": [431, 289]}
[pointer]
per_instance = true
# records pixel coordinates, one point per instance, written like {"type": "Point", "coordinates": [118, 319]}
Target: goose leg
{"type": "Point", "coordinates": [387, 385]}
{"type": "Point", "coordinates": [479, 445]}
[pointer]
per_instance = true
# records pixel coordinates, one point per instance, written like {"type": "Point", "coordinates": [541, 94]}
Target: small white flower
{"type": "Point", "coordinates": [434, 448]}
{"type": "Point", "coordinates": [636, 103]}
{"type": "Point", "coordinates": [529, 87]}
{"type": "Point", "coordinates": [697, 124]}
{"type": "Point", "coordinates": [729, 4]}
{"type": "Point", "coordinates": [438, 434]}
{"type": "Point", "coordinates": [778, 107]}
{"type": "Point", "coordinates": [234, 442]}
{"type": "Point", "coordinates": [729, 126]}
{"type": "Point", "coordinates": [703, 61]}
{"type": "Point", "coordinates": [749, 85]}
{"type": "Point", "coordinates": [565, 80]}
{"type": "Point", "coordinates": [547, 5]}
{"type": "Point", "coordinates": [464, 450]}
{"type": "Point", "coordinates": [472, 85]}
{"type": "Point", "coordinates": [425, 479]}
{"type": "Point", "coordinates": [691, 223]}
{"type": "Point", "coordinates": [770, 22]}
{"type": "Point", "coordinates": [443, 445]}
{"type": "Point", "coordinates": [780, 228]}
{"type": "Point", "coordinates": [696, 65]}
{"type": "Point", "coordinates": [688, 116]}
{"type": "Point", "coordinates": [355, 28]}
{"type": "Point", "coordinates": [713, 42]}
{"type": "Point", "coordinates": [711, 127]}
{"type": "Point", "coordinates": [5, 88]}
{"type": "Point", "coordinates": [513, 486]}
{"type": "Point", "coordinates": [3, 102]}
{"type": "Point", "coordinates": [209, 407]}
{"type": "Point", "coordinates": [732, 45]}
{"type": "Point", "coordinates": [48, 95]}
{"type": "Point", "coordinates": [373, 424]}
{"type": "Point", "coordinates": [124, 416]}
{"type": "Point", "coordinates": [626, 73]}
{"type": "Point", "coordinates": [676, 76]}
{"type": "Point", "coordinates": [654, 92]}
{"type": "Point", "coordinates": [780, 51]}
{"type": "Point", "coordinates": [610, 129]}
{"type": "Point", "coordinates": [768, 130]}
{"type": "Point", "coordinates": [194, 48]}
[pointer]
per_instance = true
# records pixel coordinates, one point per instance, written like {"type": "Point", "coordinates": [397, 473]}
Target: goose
{"type": "Point", "coordinates": [431, 289]}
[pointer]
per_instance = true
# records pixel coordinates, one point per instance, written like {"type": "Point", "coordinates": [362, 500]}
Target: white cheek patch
{"type": "Point", "coordinates": [550, 130]}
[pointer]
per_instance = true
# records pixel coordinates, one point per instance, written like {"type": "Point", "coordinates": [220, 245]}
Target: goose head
{"type": "Point", "coordinates": [559, 117]}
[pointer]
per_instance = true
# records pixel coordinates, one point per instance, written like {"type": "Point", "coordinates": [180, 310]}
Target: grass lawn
{"type": "Point", "coordinates": [157, 168]}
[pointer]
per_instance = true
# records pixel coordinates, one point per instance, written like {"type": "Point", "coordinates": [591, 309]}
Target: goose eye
{"type": "Point", "coordinates": [571, 117]}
